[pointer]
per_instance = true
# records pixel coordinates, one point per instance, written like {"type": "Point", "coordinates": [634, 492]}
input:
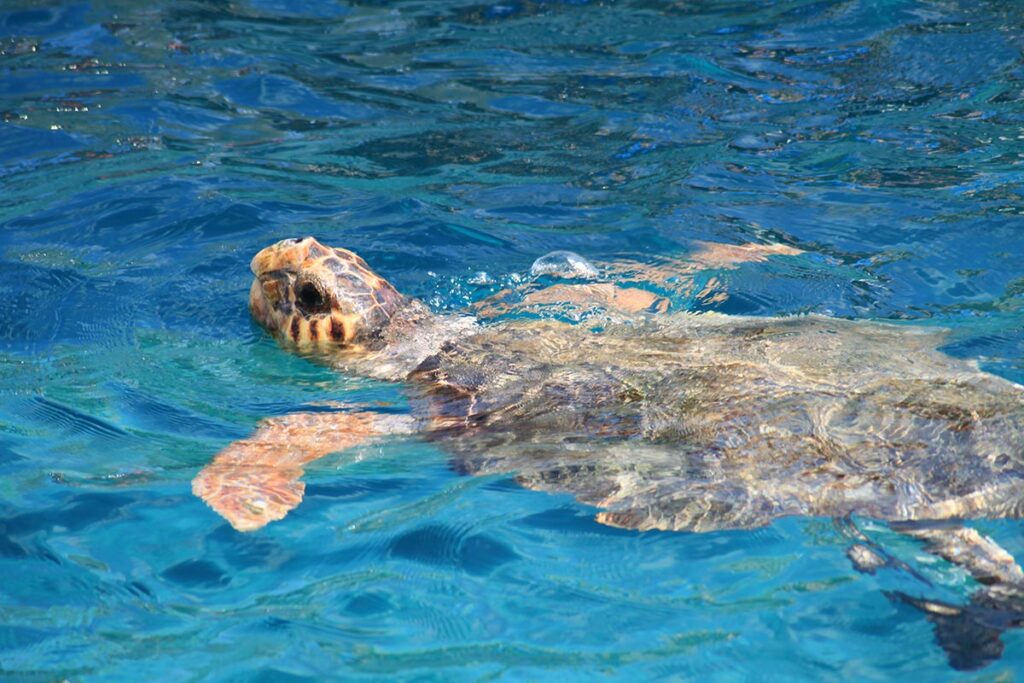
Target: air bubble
{"type": "Point", "coordinates": [565, 264]}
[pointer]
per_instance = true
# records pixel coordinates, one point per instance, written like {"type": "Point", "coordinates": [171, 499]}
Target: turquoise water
{"type": "Point", "coordinates": [148, 150]}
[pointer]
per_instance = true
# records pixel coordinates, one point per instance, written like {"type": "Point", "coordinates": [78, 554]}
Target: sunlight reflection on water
{"type": "Point", "coordinates": [148, 151]}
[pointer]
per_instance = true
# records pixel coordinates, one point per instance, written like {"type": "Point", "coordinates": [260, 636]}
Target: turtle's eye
{"type": "Point", "coordinates": [310, 300]}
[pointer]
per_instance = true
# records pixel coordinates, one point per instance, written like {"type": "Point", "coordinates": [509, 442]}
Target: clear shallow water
{"type": "Point", "coordinates": [147, 152]}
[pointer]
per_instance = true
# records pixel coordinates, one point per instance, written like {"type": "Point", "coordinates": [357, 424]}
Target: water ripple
{"type": "Point", "coordinates": [147, 151]}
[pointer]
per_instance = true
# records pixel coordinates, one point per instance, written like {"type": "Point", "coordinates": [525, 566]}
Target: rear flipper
{"type": "Point", "coordinates": [970, 634]}
{"type": "Point", "coordinates": [982, 557]}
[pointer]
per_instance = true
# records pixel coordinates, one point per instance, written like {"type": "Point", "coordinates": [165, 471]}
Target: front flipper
{"type": "Point", "coordinates": [581, 298]}
{"type": "Point", "coordinates": [598, 295]}
{"type": "Point", "coordinates": [256, 481]}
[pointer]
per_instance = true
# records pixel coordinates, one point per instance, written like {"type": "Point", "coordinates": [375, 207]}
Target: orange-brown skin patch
{"type": "Point", "coordinates": [256, 481]}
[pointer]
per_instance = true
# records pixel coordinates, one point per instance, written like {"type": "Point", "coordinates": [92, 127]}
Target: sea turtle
{"type": "Point", "coordinates": [662, 420]}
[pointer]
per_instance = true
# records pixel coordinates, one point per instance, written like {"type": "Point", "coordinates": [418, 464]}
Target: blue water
{"type": "Point", "coordinates": [148, 150]}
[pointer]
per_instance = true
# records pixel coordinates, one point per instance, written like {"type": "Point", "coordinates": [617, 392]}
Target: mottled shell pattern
{"type": "Point", "coordinates": [316, 296]}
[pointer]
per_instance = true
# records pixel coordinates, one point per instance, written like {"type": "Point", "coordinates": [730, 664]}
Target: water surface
{"type": "Point", "coordinates": [148, 150]}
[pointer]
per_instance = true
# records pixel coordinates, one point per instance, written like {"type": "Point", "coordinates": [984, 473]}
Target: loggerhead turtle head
{"type": "Point", "coordinates": [318, 296]}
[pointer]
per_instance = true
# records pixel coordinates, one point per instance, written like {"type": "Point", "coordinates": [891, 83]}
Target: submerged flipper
{"type": "Point", "coordinates": [676, 274]}
{"type": "Point", "coordinates": [970, 634]}
{"type": "Point", "coordinates": [982, 557]}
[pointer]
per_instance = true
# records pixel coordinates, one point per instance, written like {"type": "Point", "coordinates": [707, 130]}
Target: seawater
{"type": "Point", "coordinates": [148, 150]}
